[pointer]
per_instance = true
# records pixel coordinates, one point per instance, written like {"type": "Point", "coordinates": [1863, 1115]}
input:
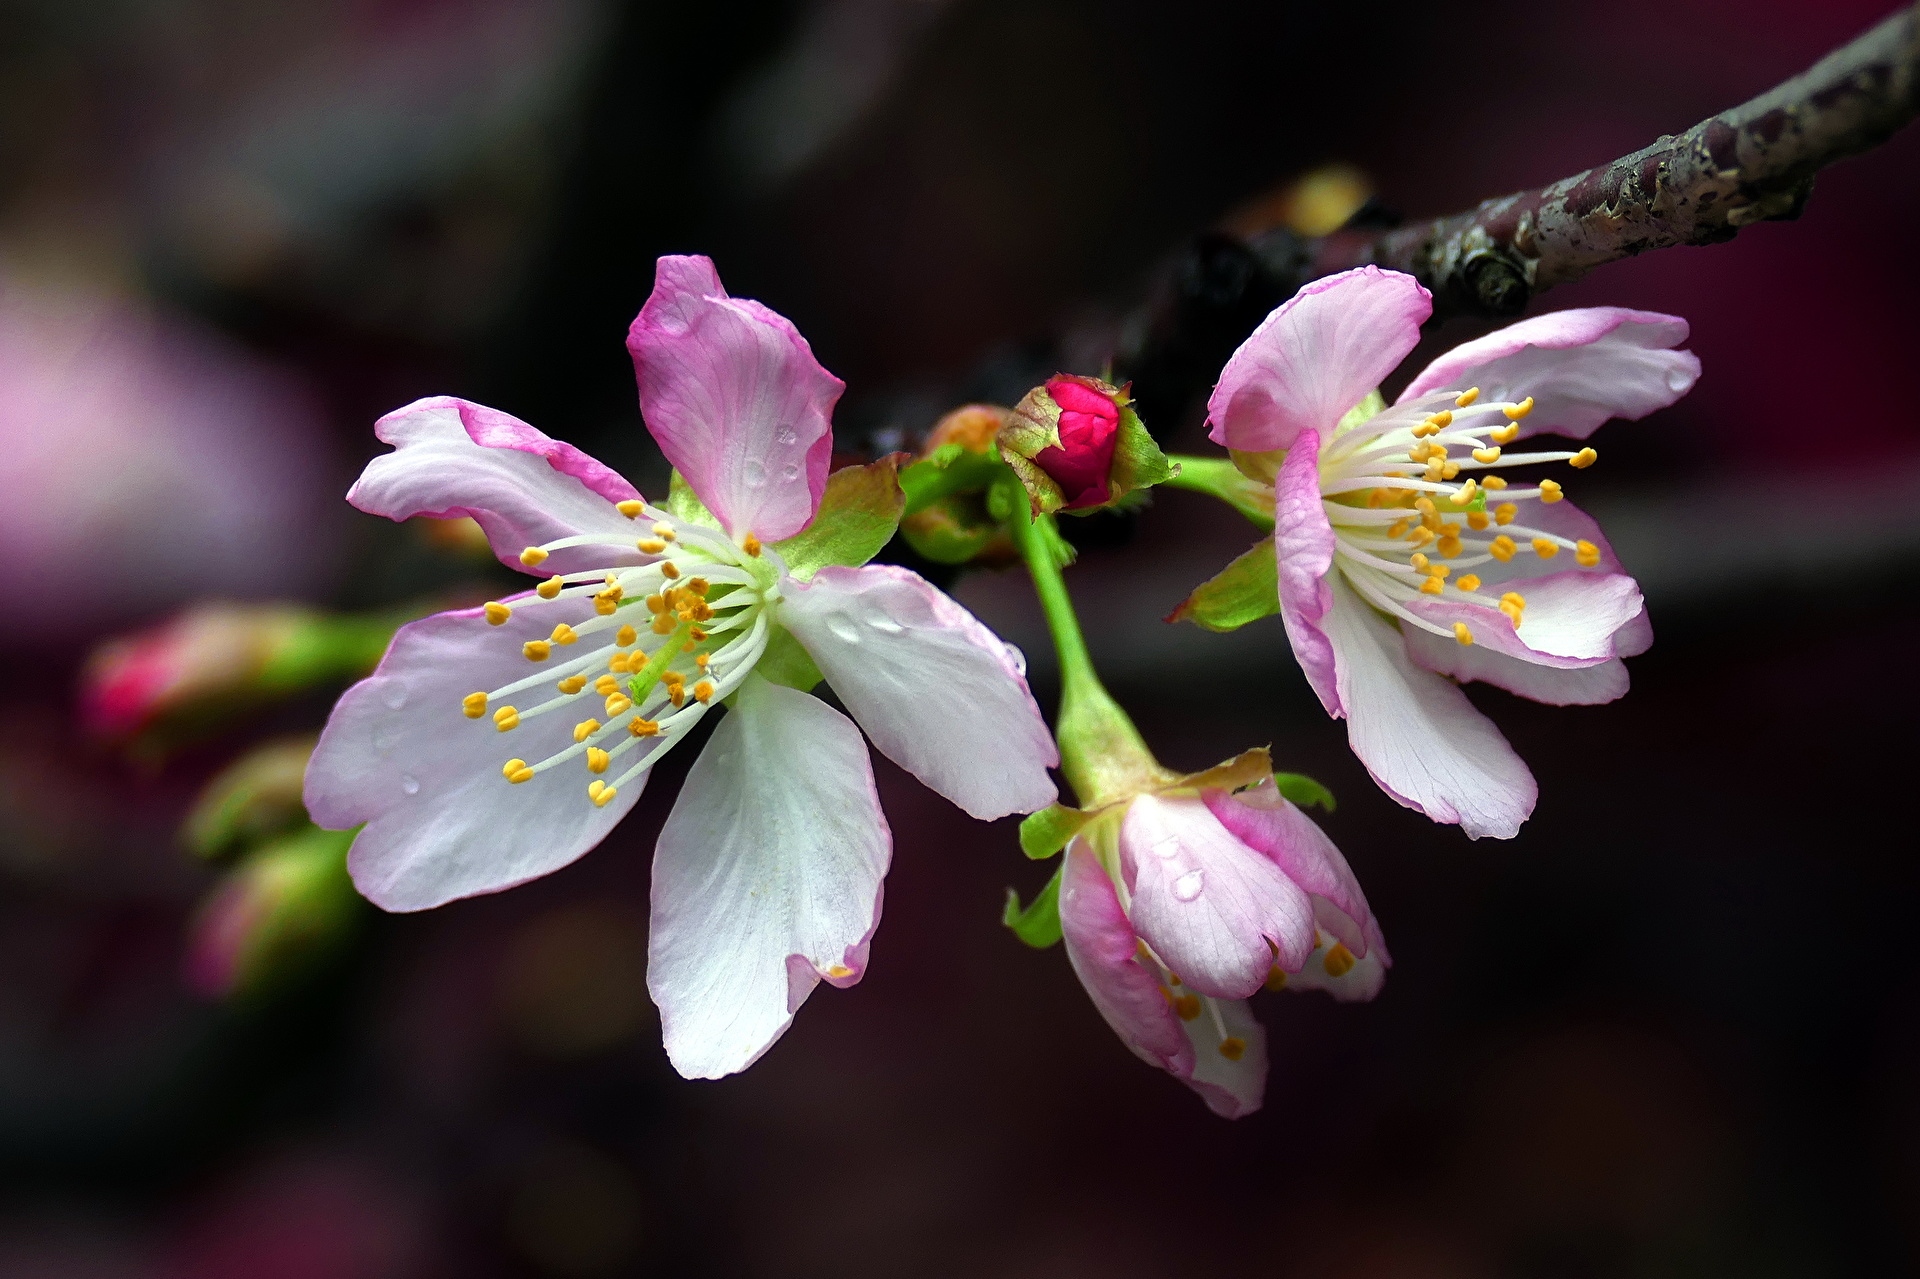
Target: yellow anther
{"type": "Point", "coordinates": [1520, 410]}
{"type": "Point", "coordinates": [1417, 560]}
{"type": "Point", "coordinates": [1436, 450]}
{"type": "Point", "coordinates": [497, 614]}
{"type": "Point", "coordinates": [1420, 536]}
{"type": "Point", "coordinates": [1449, 469]}
{"type": "Point", "coordinates": [1494, 482]}
{"type": "Point", "coordinates": [1233, 1048]}
{"type": "Point", "coordinates": [1424, 505]}
{"type": "Point", "coordinates": [697, 634]}
{"type": "Point", "coordinates": [1187, 1005]}
{"type": "Point", "coordinates": [474, 705]}
{"type": "Point", "coordinates": [618, 664]}
{"type": "Point", "coordinates": [629, 508]}
{"type": "Point", "coordinates": [1466, 492]}
{"type": "Point", "coordinates": [699, 585]}
{"type": "Point", "coordinates": [669, 570]}
{"type": "Point", "coordinates": [1489, 456]}
{"type": "Point", "coordinates": [1399, 527]}
{"type": "Point", "coordinates": [1377, 498]}
{"type": "Point", "coordinates": [618, 704]}
{"type": "Point", "coordinates": [536, 650]}
{"type": "Point", "coordinates": [1437, 570]}
{"type": "Point", "coordinates": [585, 728]}
{"type": "Point", "coordinates": [1514, 598]}
{"type": "Point", "coordinates": [605, 796]}
{"type": "Point", "coordinates": [1339, 961]}
{"type": "Point", "coordinates": [1502, 548]}
{"type": "Point", "coordinates": [625, 636]}
{"type": "Point", "coordinates": [549, 588]}
{"type": "Point", "coordinates": [1583, 459]}
{"type": "Point", "coordinates": [597, 760]}
{"type": "Point", "coordinates": [1505, 513]}
{"type": "Point", "coordinates": [606, 686]}
{"type": "Point", "coordinates": [751, 545]}
{"type": "Point", "coordinates": [1462, 633]}
{"type": "Point", "coordinates": [506, 718]}
{"type": "Point", "coordinates": [1436, 470]}
{"type": "Point", "coordinates": [1276, 978]}
{"type": "Point", "coordinates": [656, 604]}
{"type": "Point", "coordinates": [1422, 430]}
{"type": "Point", "coordinates": [563, 634]}
{"type": "Point", "coordinates": [1451, 528]}
{"type": "Point", "coordinates": [1551, 492]}
{"type": "Point", "coordinates": [1432, 586]}
{"type": "Point", "coordinates": [1449, 546]}
{"type": "Point", "coordinates": [672, 678]}
{"type": "Point", "coordinates": [663, 624]}
{"type": "Point", "coordinates": [572, 684]}
{"type": "Point", "coordinates": [533, 556]}
{"type": "Point", "coordinates": [664, 532]}
{"type": "Point", "coordinates": [1466, 397]}
{"type": "Point", "coordinates": [1514, 605]}
{"type": "Point", "coordinates": [1586, 554]}
{"type": "Point", "coordinates": [605, 605]}
{"type": "Point", "coordinates": [650, 545]}
{"type": "Point", "coordinates": [1504, 434]}
{"type": "Point", "coordinates": [837, 971]}
{"type": "Point", "coordinates": [703, 691]}
{"type": "Point", "coordinates": [1477, 520]}
{"type": "Point", "coordinates": [1469, 582]}
{"type": "Point", "coordinates": [701, 660]}
{"type": "Point", "coordinates": [642, 727]}
{"type": "Point", "coordinates": [677, 694]}
{"type": "Point", "coordinates": [516, 771]}
{"type": "Point", "coordinates": [1545, 548]}
{"type": "Point", "coordinates": [1443, 418]}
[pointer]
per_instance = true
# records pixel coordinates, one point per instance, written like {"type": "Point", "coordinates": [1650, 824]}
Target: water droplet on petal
{"type": "Point", "coordinates": [409, 783]}
{"type": "Point", "coordinates": [885, 625]}
{"type": "Point", "coordinates": [1168, 847]}
{"type": "Point", "coordinates": [1188, 886]}
{"type": "Point", "coordinates": [786, 435]}
{"type": "Point", "coordinates": [395, 696]}
{"type": "Point", "coordinates": [789, 473]}
{"type": "Point", "coordinates": [1678, 380]}
{"type": "Point", "coordinates": [753, 473]}
{"type": "Point", "coordinates": [382, 739]}
{"type": "Point", "coordinates": [843, 628]}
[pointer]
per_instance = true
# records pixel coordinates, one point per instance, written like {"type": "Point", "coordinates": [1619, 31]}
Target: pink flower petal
{"type": "Point", "coordinates": [399, 755]}
{"type": "Point", "coordinates": [453, 457]}
{"type": "Point", "coordinates": [1104, 952]}
{"type": "Point", "coordinates": [1303, 543]}
{"type": "Point", "coordinates": [1418, 736]}
{"type": "Point", "coordinates": [736, 400]}
{"type": "Point", "coordinates": [1207, 903]}
{"type": "Point", "coordinates": [1315, 357]}
{"type": "Point", "coordinates": [1233, 1088]}
{"type": "Point", "coordinates": [1550, 685]}
{"type": "Point", "coordinates": [938, 692]}
{"type": "Point", "coordinates": [767, 878]}
{"type": "Point", "coordinates": [1357, 984]}
{"type": "Point", "coordinates": [1264, 820]}
{"type": "Point", "coordinates": [1570, 619]}
{"type": "Point", "coordinates": [1581, 367]}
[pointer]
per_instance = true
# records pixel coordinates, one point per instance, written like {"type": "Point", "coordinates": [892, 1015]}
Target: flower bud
{"type": "Point", "coordinates": [956, 527]}
{"type": "Point", "coordinates": [252, 799]}
{"type": "Point", "coordinates": [1078, 446]}
{"type": "Point", "coordinates": [274, 915]}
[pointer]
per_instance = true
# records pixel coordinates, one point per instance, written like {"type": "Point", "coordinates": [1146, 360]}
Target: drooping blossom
{"type": "Point", "coordinates": [767, 876]}
{"type": "Point", "coordinates": [1179, 904]}
{"type": "Point", "coordinates": [1404, 557]}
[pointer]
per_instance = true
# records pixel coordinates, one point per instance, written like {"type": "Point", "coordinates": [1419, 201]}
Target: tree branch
{"type": "Point", "coordinates": [1753, 163]}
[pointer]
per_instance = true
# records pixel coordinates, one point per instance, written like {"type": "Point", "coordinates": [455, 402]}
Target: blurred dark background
{"type": "Point", "coordinates": [1673, 1029]}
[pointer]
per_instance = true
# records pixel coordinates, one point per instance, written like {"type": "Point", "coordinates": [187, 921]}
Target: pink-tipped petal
{"type": "Point", "coordinates": [1303, 543]}
{"type": "Point", "coordinates": [1550, 685]}
{"type": "Point", "coordinates": [1208, 904]}
{"type": "Point", "coordinates": [1418, 735]}
{"type": "Point", "coordinates": [453, 457]}
{"type": "Point", "coordinates": [1266, 821]}
{"type": "Point", "coordinates": [399, 755]}
{"type": "Point", "coordinates": [1315, 357]}
{"type": "Point", "coordinates": [1581, 367]}
{"type": "Point", "coordinates": [766, 880]}
{"type": "Point", "coordinates": [1104, 952]}
{"type": "Point", "coordinates": [734, 397]}
{"type": "Point", "coordinates": [938, 692]}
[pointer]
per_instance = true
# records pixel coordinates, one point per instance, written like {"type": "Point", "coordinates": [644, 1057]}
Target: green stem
{"type": "Point", "coordinates": [1219, 477]}
{"type": "Point", "coordinates": [1101, 752]}
{"type": "Point", "coordinates": [640, 684]}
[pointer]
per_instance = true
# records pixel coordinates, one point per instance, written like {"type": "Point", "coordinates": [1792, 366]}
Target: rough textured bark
{"type": "Point", "coordinates": [1750, 164]}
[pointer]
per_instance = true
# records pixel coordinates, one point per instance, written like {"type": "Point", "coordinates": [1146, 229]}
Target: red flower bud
{"type": "Point", "coordinates": [1089, 428]}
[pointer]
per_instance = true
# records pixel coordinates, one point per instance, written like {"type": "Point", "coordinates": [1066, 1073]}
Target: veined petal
{"type": "Point", "coordinates": [1570, 618]}
{"type": "Point", "coordinates": [734, 397]}
{"type": "Point", "coordinates": [1581, 367]}
{"type": "Point", "coordinates": [1104, 952]}
{"type": "Point", "coordinates": [1551, 685]}
{"type": "Point", "coordinates": [1208, 904]}
{"type": "Point", "coordinates": [938, 692]}
{"type": "Point", "coordinates": [766, 880]}
{"type": "Point", "coordinates": [399, 755]}
{"type": "Point", "coordinates": [1303, 544]}
{"type": "Point", "coordinates": [1417, 734]}
{"type": "Point", "coordinates": [1316, 357]}
{"type": "Point", "coordinates": [1266, 821]}
{"type": "Point", "coordinates": [453, 457]}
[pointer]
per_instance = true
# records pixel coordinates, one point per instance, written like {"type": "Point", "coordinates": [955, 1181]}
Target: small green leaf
{"type": "Point", "coordinates": [1303, 790]}
{"type": "Point", "coordinates": [1039, 924]}
{"type": "Point", "coordinates": [787, 662]}
{"type": "Point", "coordinates": [858, 513]}
{"type": "Point", "coordinates": [1046, 832]}
{"type": "Point", "coordinates": [1244, 591]}
{"type": "Point", "coordinates": [684, 504]}
{"type": "Point", "coordinates": [1138, 462]}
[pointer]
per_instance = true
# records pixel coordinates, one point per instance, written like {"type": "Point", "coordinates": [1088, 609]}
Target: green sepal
{"type": "Point", "coordinates": [951, 468]}
{"type": "Point", "coordinates": [1244, 591]}
{"type": "Point", "coordinates": [942, 532]}
{"type": "Point", "coordinates": [1220, 478]}
{"type": "Point", "coordinates": [1046, 832]}
{"type": "Point", "coordinates": [684, 504]}
{"type": "Point", "coordinates": [1366, 410]}
{"type": "Point", "coordinates": [1039, 924]}
{"type": "Point", "coordinates": [253, 799]}
{"type": "Point", "coordinates": [859, 510]}
{"type": "Point", "coordinates": [787, 661]}
{"type": "Point", "coordinates": [1138, 462]}
{"type": "Point", "coordinates": [1303, 790]}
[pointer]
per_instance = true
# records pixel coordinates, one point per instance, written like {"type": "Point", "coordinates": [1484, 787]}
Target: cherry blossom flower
{"type": "Point", "coordinates": [1404, 560]}
{"type": "Point", "coordinates": [1180, 903]}
{"type": "Point", "coordinates": [767, 876]}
